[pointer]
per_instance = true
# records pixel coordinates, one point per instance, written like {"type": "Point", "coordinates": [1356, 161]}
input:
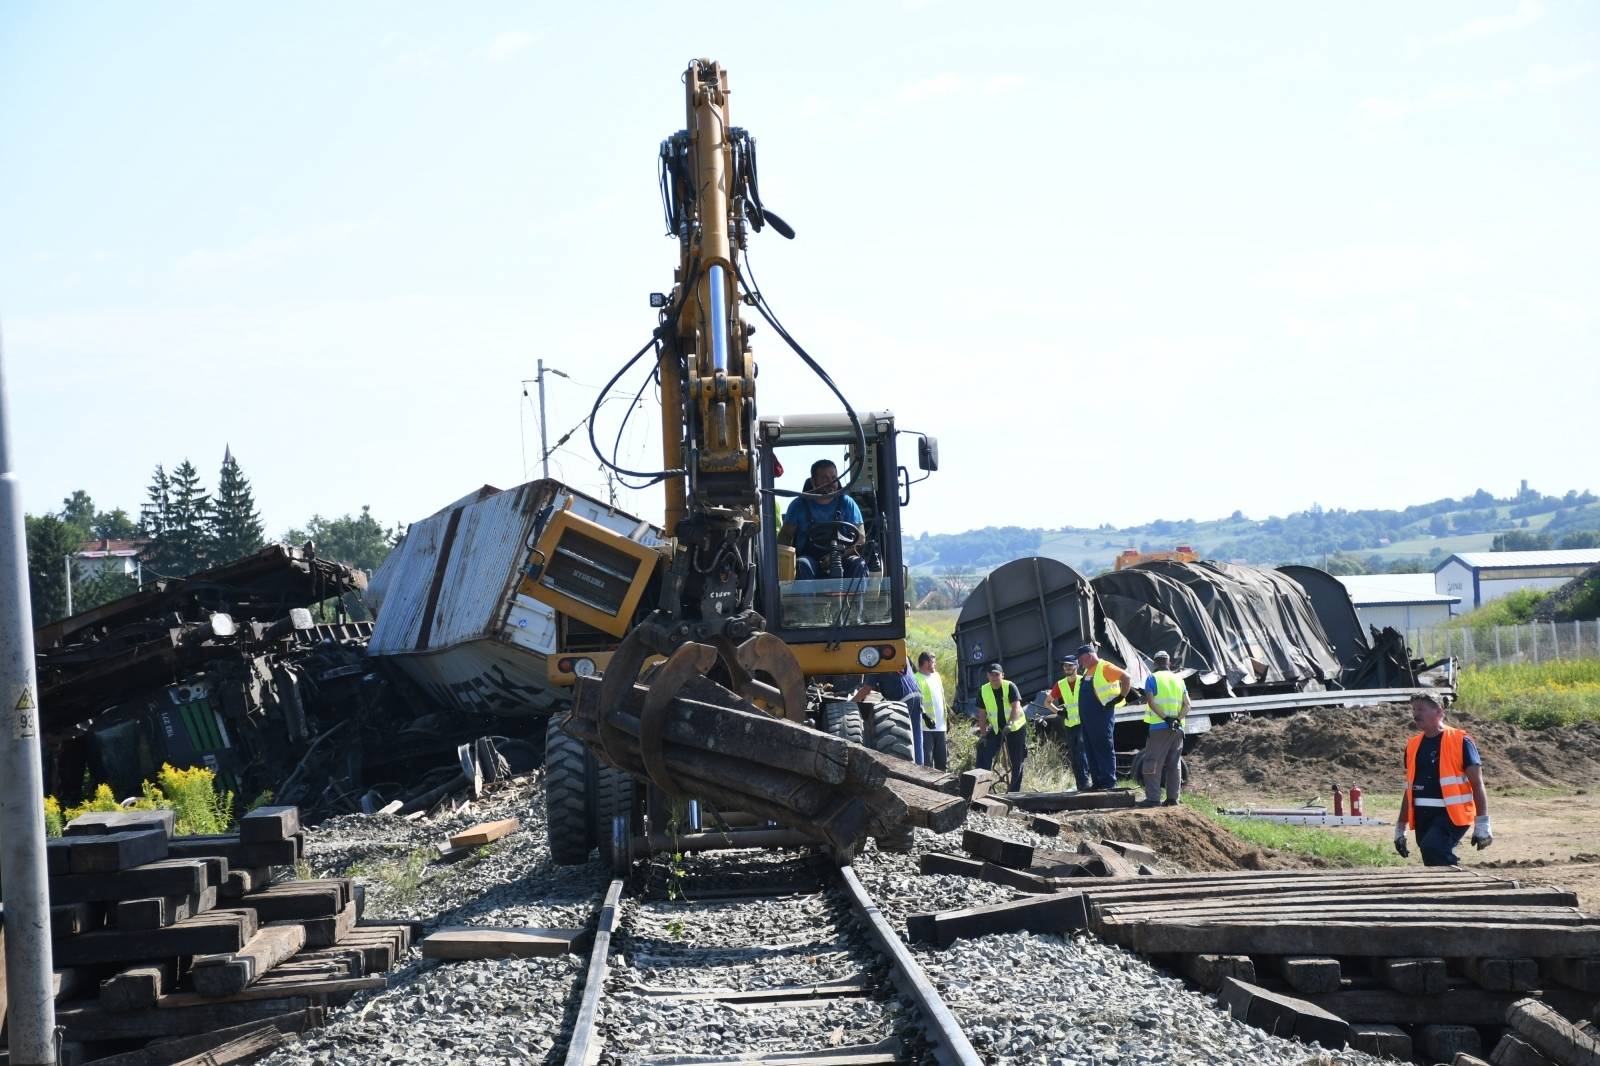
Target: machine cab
{"type": "Point", "coordinates": [838, 601]}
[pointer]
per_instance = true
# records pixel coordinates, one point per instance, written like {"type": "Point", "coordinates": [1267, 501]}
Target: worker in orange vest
{"type": "Point", "coordinates": [1444, 788]}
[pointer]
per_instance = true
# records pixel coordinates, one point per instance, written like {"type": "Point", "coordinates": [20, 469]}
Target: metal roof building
{"type": "Point", "coordinates": [1403, 601]}
{"type": "Point", "coordinates": [1479, 577]}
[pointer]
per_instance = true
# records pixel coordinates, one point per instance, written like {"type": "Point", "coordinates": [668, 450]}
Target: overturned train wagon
{"type": "Point", "coordinates": [454, 614]}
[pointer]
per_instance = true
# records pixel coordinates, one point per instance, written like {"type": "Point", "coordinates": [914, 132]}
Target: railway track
{"type": "Point", "coordinates": [778, 970]}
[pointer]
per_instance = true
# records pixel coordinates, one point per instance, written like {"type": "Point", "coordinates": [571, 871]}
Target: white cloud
{"type": "Point", "coordinates": [1539, 78]}
{"type": "Point", "coordinates": [508, 44]}
{"type": "Point", "coordinates": [1527, 13]}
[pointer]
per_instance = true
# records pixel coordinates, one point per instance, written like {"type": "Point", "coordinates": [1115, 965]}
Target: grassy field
{"type": "Point", "coordinates": [1563, 692]}
{"type": "Point", "coordinates": [1327, 845]}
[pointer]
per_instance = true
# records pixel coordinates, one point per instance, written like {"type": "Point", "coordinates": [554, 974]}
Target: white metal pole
{"type": "Point", "coordinates": [66, 564]}
{"type": "Point", "coordinates": [544, 446]}
{"type": "Point", "coordinates": [31, 1016]}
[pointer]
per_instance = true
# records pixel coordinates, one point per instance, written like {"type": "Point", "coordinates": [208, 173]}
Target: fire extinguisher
{"type": "Point", "coordinates": [1338, 800]}
{"type": "Point", "coordinates": [1355, 801]}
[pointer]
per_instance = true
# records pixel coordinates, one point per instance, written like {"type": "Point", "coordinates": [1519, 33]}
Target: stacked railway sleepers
{"type": "Point", "coordinates": [1421, 963]}
{"type": "Point", "coordinates": [170, 947]}
{"type": "Point", "coordinates": [708, 742]}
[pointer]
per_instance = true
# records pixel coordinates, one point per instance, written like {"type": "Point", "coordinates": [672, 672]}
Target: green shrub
{"type": "Point", "coordinates": [1536, 695]}
{"type": "Point", "coordinates": [191, 793]}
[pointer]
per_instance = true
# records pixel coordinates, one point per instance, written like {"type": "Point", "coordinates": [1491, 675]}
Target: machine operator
{"type": "Point", "coordinates": [808, 517]}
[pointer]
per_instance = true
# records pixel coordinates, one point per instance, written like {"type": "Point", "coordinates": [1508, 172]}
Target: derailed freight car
{"type": "Point", "coordinates": [453, 611]}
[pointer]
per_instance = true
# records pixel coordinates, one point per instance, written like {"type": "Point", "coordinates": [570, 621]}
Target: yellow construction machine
{"type": "Point", "coordinates": [722, 597]}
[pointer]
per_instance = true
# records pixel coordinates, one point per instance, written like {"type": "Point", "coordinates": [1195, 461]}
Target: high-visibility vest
{"type": "Point", "coordinates": [1168, 701]}
{"type": "Point", "coordinates": [994, 711]}
{"type": "Point", "coordinates": [1067, 693]}
{"type": "Point", "coordinates": [1453, 783]}
{"type": "Point", "coordinates": [1106, 688]}
{"type": "Point", "coordinates": [925, 689]}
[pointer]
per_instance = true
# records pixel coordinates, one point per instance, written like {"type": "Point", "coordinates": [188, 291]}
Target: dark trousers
{"type": "Point", "coordinates": [934, 751]}
{"type": "Point", "coordinates": [1437, 839]}
{"type": "Point", "coordinates": [807, 568]}
{"type": "Point", "coordinates": [914, 711]}
{"type": "Point", "coordinates": [1016, 742]}
{"type": "Point", "coordinates": [1077, 755]}
{"type": "Point", "coordinates": [1098, 722]}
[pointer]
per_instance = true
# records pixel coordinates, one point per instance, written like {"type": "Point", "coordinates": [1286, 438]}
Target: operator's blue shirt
{"type": "Point", "coordinates": [806, 513]}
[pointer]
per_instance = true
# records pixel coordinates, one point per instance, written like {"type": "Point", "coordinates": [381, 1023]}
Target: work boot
{"type": "Point", "coordinates": [1170, 803]}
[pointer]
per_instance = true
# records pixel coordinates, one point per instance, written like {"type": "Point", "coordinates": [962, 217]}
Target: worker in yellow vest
{"type": "Point", "coordinates": [1166, 705]}
{"type": "Point", "coordinates": [1063, 700]}
{"type": "Point", "coordinates": [1104, 687]}
{"type": "Point", "coordinates": [1444, 788]}
{"type": "Point", "coordinates": [1001, 721]}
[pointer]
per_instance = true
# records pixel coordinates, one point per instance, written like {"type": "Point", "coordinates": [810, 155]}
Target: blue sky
{"type": "Point", "coordinates": [1127, 261]}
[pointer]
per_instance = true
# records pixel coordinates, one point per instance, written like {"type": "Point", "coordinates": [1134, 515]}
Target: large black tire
{"type": "Point", "coordinates": [568, 824]}
{"type": "Point", "coordinates": [613, 798]}
{"type": "Point", "coordinates": [891, 735]}
{"type": "Point", "coordinates": [843, 719]}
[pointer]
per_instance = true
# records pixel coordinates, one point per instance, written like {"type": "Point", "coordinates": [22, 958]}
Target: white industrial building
{"type": "Point", "coordinates": [1403, 601]}
{"type": "Point", "coordinates": [1478, 577]}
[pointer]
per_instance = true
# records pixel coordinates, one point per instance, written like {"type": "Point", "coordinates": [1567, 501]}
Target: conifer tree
{"type": "Point", "coordinates": [235, 525]}
{"type": "Point", "coordinates": [179, 522]}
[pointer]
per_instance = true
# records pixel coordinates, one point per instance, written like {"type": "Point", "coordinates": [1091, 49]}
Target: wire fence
{"type": "Point", "coordinates": [1531, 642]}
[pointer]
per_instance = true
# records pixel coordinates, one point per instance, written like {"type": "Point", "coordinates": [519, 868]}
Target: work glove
{"type": "Point", "coordinates": [1481, 836]}
{"type": "Point", "coordinates": [1400, 846]}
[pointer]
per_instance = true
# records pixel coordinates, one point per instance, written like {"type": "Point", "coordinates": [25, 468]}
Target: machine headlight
{"type": "Point", "coordinates": [583, 667]}
{"type": "Point", "coordinates": [869, 657]}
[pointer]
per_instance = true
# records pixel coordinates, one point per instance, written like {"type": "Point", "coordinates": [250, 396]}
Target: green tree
{"type": "Point", "coordinates": [78, 510]}
{"type": "Point", "coordinates": [1589, 538]}
{"type": "Point", "coordinates": [235, 525]}
{"type": "Point", "coordinates": [181, 537]}
{"type": "Point", "coordinates": [100, 587]}
{"type": "Point", "coordinates": [158, 502]}
{"type": "Point", "coordinates": [114, 525]}
{"type": "Point", "coordinates": [355, 540]}
{"type": "Point", "coordinates": [50, 542]}
{"type": "Point", "coordinates": [1515, 540]}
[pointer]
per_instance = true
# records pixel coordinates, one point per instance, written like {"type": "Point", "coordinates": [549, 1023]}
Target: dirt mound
{"type": "Point", "coordinates": [1180, 838]}
{"type": "Point", "coordinates": [1311, 750]}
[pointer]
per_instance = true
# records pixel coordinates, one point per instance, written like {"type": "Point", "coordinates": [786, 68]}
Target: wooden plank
{"type": "Point", "coordinates": [100, 823]}
{"type": "Point", "coordinates": [213, 933]}
{"type": "Point", "coordinates": [938, 812]}
{"type": "Point", "coordinates": [1461, 1006]}
{"type": "Point", "coordinates": [249, 856]}
{"type": "Point", "coordinates": [935, 862]}
{"type": "Point", "coordinates": [239, 1050]}
{"type": "Point", "coordinates": [172, 877]}
{"type": "Point", "coordinates": [241, 882]}
{"type": "Point", "coordinates": [1553, 1036]}
{"type": "Point", "coordinates": [484, 833]}
{"type": "Point", "coordinates": [1442, 1043]}
{"type": "Point", "coordinates": [1042, 824]}
{"type": "Point", "coordinates": [1130, 851]}
{"type": "Point", "coordinates": [1310, 973]}
{"type": "Point", "coordinates": [1115, 865]}
{"type": "Point", "coordinates": [347, 887]}
{"type": "Point", "coordinates": [160, 911]}
{"type": "Point", "coordinates": [479, 942]}
{"type": "Point", "coordinates": [1512, 1050]}
{"type": "Point", "coordinates": [975, 784]}
{"type": "Point", "coordinates": [306, 901]}
{"type": "Point", "coordinates": [1457, 940]}
{"type": "Point", "coordinates": [1582, 974]}
{"type": "Point", "coordinates": [1036, 914]}
{"type": "Point", "coordinates": [990, 806]}
{"type": "Point", "coordinates": [925, 777]}
{"type": "Point", "coordinates": [326, 932]}
{"type": "Point", "coordinates": [109, 852]}
{"type": "Point", "coordinates": [995, 849]}
{"type": "Point", "coordinates": [1414, 977]}
{"type": "Point", "coordinates": [1018, 879]}
{"type": "Point", "coordinates": [138, 987]}
{"type": "Point", "coordinates": [1503, 975]}
{"type": "Point", "coordinates": [224, 975]}
{"type": "Point", "coordinates": [1283, 1015]}
{"type": "Point", "coordinates": [268, 825]}
{"type": "Point", "coordinates": [1054, 802]}
{"type": "Point", "coordinates": [89, 1021]}
{"type": "Point", "coordinates": [274, 991]}
{"type": "Point", "coordinates": [1550, 901]}
{"type": "Point", "coordinates": [1208, 971]}
{"type": "Point", "coordinates": [1466, 1058]}
{"type": "Point", "coordinates": [1389, 911]}
{"type": "Point", "coordinates": [1384, 1041]}
{"type": "Point", "coordinates": [57, 856]}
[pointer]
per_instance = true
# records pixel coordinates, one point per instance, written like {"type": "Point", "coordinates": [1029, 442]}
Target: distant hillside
{"type": "Point", "coordinates": [1371, 541]}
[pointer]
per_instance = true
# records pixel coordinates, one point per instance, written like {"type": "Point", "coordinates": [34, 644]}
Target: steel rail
{"type": "Point", "coordinates": [583, 1049]}
{"type": "Point", "coordinates": [1291, 701]}
{"type": "Point", "coordinates": [950, 1044]}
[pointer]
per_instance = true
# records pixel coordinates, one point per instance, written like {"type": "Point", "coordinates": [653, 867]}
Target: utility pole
{"type": "Point", "coordinates": [544, 443]}
{"type": "Point", "coordinates": [67, 564]}
{"type": "Point", "coordinates": [31, 1014]}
